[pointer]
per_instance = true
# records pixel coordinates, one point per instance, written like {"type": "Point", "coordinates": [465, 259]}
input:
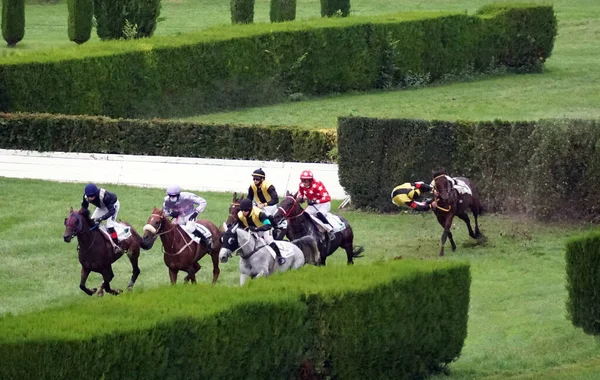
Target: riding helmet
{"type": "Point", "coordinates": [91, 189]}
{"type": "Point", "coordinates": [306, 174]}
{"type": "Point", "coordinates": [246, 204]}
{"type": "Point", "coordinates": [258, 173]}
{"type": "Point", "coordinates": [173, 190]}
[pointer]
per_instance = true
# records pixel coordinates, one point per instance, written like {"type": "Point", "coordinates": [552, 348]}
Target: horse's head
{"type": "Point", "coordinates": [230, 244]}
{"type": "Point", "coordinates": [443, 187]}
{"type": "Point", "coordinates": [74, 223]}
{"type": "Point", "coordinates": [234, 208]}
{"type": "Point", "coordinates": [156, 224]}
{"type": "Point", "coordinates": [289, 208]}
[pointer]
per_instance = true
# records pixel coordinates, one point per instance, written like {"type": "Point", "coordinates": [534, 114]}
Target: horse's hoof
{"type": "Point", "coordinates": [453, 249]}
{"type": "Point", "coordinates": [441, 253]}
{"type": "Point", "coordinates": [130, 288]}
{"type": "Point", "coordinates": [100, 294]}
{"type": "Point", "coordinates": [116, 292]}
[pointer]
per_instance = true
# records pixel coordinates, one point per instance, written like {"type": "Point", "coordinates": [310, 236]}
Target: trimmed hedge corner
{"type": "Point", "coordinates": [583, 272]}
{"type": "Point", "coordinates": [44, 132]}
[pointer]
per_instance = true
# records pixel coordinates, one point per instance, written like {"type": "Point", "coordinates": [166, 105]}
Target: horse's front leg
{"type": "Point", "coordinates": [446, 234]}
{"type": "Point", "coordinates": [135, 272]}
{"type": "Point", "coordinates": [243, 279]}
{"type": "Point", "coordinates": [173, 276]}
{"type": "Point", "coordinates": [84, 276]}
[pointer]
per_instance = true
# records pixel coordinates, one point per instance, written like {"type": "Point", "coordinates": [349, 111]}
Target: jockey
{"type": "Point", "coordinates": [263, 193]}
{"type": "Point", "coordinates": [317, 198]}
{"type": "Point", "coordinates": [107, 208]}
{"type": "Point", "coordinates": [404, 195]}
{"type": "Point", "coordinates": [184, 207]}
{"type": "Point", "coordinates": [254, 219]}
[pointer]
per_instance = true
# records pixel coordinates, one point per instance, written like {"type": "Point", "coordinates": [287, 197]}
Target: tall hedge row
{"type": "Point", "coordinates": [44, 132]}
{"type": "Point", "coordinates": [114, 17]}
{"type": "Point", "coordinates": [258, 64]}
{"type": "Point", "coordinates": [546, 168]}
{"type": "Point", "coordinates": [282, 10]}
{"type": "Point", "coordinates": [583, 272]}
{"type": "Point", "coordinates": [402, 319]}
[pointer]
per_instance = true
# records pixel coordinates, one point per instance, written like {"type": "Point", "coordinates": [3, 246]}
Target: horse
{"type": "Point", "coordinates": [256, 259]}
{"type": "Point", "coordinates": [96, 253]}
{"type": "Point", "coordinates": [181, 253]}
{"type": "Point", "coordinates": [279, 232]}
{"type": "Point", "coordinates": [301, 224]}
{"type": "Point", "coordinates": [451, 203]}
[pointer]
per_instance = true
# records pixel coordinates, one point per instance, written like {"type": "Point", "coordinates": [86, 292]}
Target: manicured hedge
{"type": "Point", "coordinates": [401, 319]}
{"type": "Point", "coordinates": [547, 168]}
{"type": "Point", "coordinates": [246, 65]}
{"type": "Point", "coordinates": [583, 272]}
{"type": "Point", "coordinates": [44, 132]}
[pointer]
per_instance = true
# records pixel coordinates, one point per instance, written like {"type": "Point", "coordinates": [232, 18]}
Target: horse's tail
{"type": "Point", "coordinates": [308, 246]}
{"type": "Point", "coordinates": [357, 251]}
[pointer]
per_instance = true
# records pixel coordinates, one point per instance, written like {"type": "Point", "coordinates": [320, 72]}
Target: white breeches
{"type": "Point", "coordinates": [267, 236]}
{"type": "Point", "coordinates": [110, 222]}
{"type": "Point", "coordinates": [323, 208]}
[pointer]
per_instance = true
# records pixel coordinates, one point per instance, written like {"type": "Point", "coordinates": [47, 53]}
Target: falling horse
{"type": "Point", "coordinates": [257, 259]}
{"type": "Point", "coordinates": [452, 202]}
{"type": "Point", "coordinates": [96, 253]}
{"type": "Point", "coordinates": [301, 224]}
{"type": "Point", "coordinates": [278, 233]}
{"type": "Point", "coordinates": [181, 252]}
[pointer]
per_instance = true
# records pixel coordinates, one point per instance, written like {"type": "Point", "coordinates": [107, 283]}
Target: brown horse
{"type": "Point", "coordinates": [451, 203]}
{"type": "Point", "coordinates": [301, 224]}
{"type": "Point", "coordinates": [278, 233]}
{"type": "Point", "coordinates": [181, 253]}
{"type": "Point", "coordinates": [96, 253]}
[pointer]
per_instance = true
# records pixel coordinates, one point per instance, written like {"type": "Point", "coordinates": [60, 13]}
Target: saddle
{"type": "Point", "coordinates": [191, 227]}
{"type": "Point", "coordinates": [285, 250]}
{"type": "Point", "coordinates": [333, 220]}
{"type": "Point", "coordinates": [123, 232]}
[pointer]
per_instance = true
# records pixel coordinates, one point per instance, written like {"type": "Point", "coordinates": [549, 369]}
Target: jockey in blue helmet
{"type": "Point", "coordinates": [107, 208]}
{"type": "Point", "coordinates": [184, 207]}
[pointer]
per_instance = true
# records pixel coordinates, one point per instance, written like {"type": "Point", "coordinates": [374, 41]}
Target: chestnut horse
{"type": "Point", "coordinates": [451, 203]}
{"type": "Point", "coordinates": [278, 232]}
{"type": "Point", "coordinates": [181, 253]}
{"type": "Point", "coordinates": [96, 253]}
{"type": "Point", "coordinates": [301, 224]}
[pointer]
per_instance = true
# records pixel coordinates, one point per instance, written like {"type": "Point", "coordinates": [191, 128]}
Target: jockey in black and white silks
{"type": "Point", "coordinates": [107, 208]}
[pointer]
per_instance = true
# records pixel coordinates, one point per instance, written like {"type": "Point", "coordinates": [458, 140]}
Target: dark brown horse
{"type": "Point", "coordinates": [301, 224]}
{"type": "Point", "coordinates": [96, 253]}
{"type": "Point", "coordinates": [181, 253]}
{"type": "Point", "coordinates": [278, 233]}
{"type": "Point", "coordinates": [451, 203]}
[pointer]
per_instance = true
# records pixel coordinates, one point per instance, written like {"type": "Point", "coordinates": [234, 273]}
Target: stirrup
{"type": "Point", "coordinates": [331, 235]}
{"type": "Point", "coordinates": [117, 249]}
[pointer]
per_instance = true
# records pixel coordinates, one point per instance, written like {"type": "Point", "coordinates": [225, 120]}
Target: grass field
{"type": "Point", "coordinates": [517, 325]}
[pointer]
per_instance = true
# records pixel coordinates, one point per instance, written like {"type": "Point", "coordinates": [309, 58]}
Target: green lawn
{"type": "Point", "coordinates": [517, 319]}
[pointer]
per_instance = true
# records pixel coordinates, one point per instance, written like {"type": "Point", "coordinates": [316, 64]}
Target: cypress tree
{"type": "Point", "coordinates": [13, 21]}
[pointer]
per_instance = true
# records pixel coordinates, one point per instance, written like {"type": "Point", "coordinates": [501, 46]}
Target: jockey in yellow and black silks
{"type": "Point", "coordinates": [403, 195]}
{"type": "Point", "coordinates": [254, 219]}
{"type": "Point", "coordinates": [263, 193]}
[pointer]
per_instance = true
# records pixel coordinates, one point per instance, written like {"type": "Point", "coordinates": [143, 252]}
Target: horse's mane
{"type": "Point", "coordinates": [86, 215]}
{"type": "Point", "coordinates": [158, 211]}
{"type": "Point", "coordinates": [439, 173]}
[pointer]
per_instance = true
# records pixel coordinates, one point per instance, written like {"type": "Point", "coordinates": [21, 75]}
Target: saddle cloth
{"type": "Point", "coordinates": [192, 226]}
{"type": "Point", "coordinates": [285, 249]}
{"type": "Point", "coordinates": [333, 220]}
{"type": "Point", "coordinates": [123, 231]}
{"type": "Point", "coordinates": [459, 185]}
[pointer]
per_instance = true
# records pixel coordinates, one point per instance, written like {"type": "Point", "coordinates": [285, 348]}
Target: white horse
{"type": "Point", "coordinates": [257, 259]}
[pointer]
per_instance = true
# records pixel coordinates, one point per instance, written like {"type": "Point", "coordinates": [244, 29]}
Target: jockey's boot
{"type": "Point", "coordinates": [280, 259]}
{"type": "Point", "coordinates": [115, 239]}
{"type": "Point", "coordinates": [204, 239]}
{"type": "Point", "coordinates": [323, 219]}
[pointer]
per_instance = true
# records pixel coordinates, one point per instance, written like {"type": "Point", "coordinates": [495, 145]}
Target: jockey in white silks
{"type": "Point", "coordinates": [184, 207]}
{"type": "Point", "coordinates": [107, 208]}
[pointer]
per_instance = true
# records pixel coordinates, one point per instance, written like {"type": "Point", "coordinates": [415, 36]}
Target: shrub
{"type": "Point", "coordinates": [583, 272]}
{"type": "Point", "coordinates": [43, 132]}
{"type": "Point", "coordinates": [116, 18]}
{"type": "Point", "coordinates": [81, 13]}
{"type": "Point", "coordinates": [13, 21]}
{"type": "Point", "coordinates": [330, 8]}
{"type": "Point", "coordinates": [282, 10]}
{"type": "Point", "coordinates": [242, 11]}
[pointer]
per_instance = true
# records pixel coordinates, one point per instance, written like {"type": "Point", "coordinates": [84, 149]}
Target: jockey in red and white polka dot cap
{"type": "Point", "coordinates": [317, 197]}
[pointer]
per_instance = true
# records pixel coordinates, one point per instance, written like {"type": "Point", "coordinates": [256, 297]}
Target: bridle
{"type": "Point", "coordinates": [78, 230]}
{"type": "Point", "coordinates": [154, 231]}
{"type": "Point", "coordinates": [438, 197]}
{"type": "Point", "coordinates": [286, 214]}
